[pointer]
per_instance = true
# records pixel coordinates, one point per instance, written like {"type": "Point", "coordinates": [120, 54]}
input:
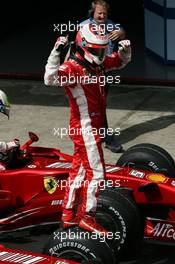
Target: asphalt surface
{"type": "Point", "coordinates": [143, 114]}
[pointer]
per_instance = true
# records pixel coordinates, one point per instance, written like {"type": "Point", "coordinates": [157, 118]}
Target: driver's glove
{"type": "Point", "coordinates": [54, 58]}
{"type": "Point", "coordinates": [125, 51]}
{"type": "Point", "coordinates": [13, 144]}
{"type": "Point", "coordinates": [53, 63]}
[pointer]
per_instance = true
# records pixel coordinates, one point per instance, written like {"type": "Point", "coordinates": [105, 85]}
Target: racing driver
{"type": "Point", "coordinates": [80, 76]}
{"type": "Point", "coordinates": [6, 148]}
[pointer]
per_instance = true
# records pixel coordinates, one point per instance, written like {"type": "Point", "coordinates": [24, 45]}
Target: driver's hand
{"type": "Point", "coordinates": [13, 144]}
{"type": "Point", "coordinates": [54, 57]}
{"type": "Point", "coordinates": [61, 43]}
{"type": "Point", "coordinates": [125, 50]}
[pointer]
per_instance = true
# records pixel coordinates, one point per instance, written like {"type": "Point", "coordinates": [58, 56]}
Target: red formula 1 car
{"type": "Point", "coordinates": [136, 201]}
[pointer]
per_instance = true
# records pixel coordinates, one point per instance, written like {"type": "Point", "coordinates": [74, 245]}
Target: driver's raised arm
{"type": "Point", "coordinates": [120, 59]}
{"type": "Point", "coordinates": [52, 69]}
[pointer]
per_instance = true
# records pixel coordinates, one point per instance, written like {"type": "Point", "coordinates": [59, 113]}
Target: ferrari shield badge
{"type": "Point", "coordinates": [50, 184]}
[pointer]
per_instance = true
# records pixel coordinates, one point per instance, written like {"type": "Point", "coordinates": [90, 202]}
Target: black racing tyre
{"type": "Point", "coordinates": [80, 245]}
{"type": "Point", "coordinates": [157, 149]}
{"type": "Point", "coordinates": [149, 158]}
{"type": "Point", "coordinates": [118, 213]}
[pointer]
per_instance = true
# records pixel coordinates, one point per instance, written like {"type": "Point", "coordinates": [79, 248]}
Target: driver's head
{"type": "Point", "coordinates": [4, 104]}
{"type": "Point", "coordinates": [92, 43]}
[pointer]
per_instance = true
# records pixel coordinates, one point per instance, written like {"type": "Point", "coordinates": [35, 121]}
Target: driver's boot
{"type": "Point", "coordinates": [88, 222]}
{"type": "Point", "coordinates": [69, 219]}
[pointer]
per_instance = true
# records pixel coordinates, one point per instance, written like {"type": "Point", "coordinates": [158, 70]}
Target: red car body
{"type": "Point", "coordinates": [33, 193]}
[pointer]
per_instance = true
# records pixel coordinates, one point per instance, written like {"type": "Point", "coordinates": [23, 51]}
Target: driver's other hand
{"type": "Point", "coordinates": [13, 144]}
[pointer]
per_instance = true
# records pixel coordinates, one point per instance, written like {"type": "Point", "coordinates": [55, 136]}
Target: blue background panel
{"type": "Point", "coordinates": [154, 33]}
{"type": "Point", "coordinates": [159, 2]}
{"type": "Point", "coordinates": [170, 3]}
{"type": "Point", "coordinates": [170, 39]}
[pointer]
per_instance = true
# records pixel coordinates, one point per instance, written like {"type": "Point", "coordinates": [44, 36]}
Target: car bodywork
{"type": "Point", "coordinates": [32, 194]}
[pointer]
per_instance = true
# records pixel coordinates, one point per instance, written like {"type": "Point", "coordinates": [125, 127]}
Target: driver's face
{"type": "Point", "coordinates": [100, 14]}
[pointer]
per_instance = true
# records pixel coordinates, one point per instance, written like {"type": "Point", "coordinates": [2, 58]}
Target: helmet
{"type": "Point", "coordinates": [92, 43]}
{"type": "Point", "coordinates": [4, 104]}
